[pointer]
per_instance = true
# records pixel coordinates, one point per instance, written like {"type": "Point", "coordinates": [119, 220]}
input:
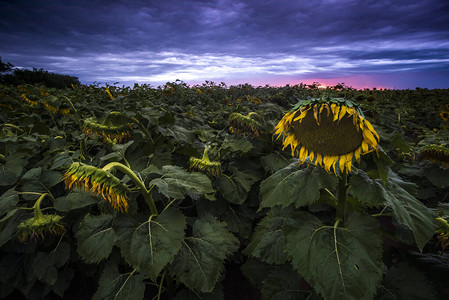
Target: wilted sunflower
{"type": "Point", "coordinates": [99, 182]}
{"type": "Point", "coordinates": [204, 165]}
{"type": "Point", "coordinates": [246, 125]}
{"type": "Point", "coordinates": [327, 131]}
{"type": "Point", "coordinates": [444, 115]}
{"type": "Point", "coordinates": [38, 226]}
{"type": "Point", "coordinates": [107, 131]}
{"type": "Point", "coordinates": [436, 153]}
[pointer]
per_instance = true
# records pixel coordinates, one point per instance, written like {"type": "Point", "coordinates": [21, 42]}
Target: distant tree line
{"type": "Point", "coordinates": [13, 76]}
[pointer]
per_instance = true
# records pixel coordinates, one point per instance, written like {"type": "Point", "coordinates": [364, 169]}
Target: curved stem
{"type": "Point", "coordinates": [37, 205]}
{"type": "Point", "coordinates": [2, 158]}
{"type": "Point", "coordinates": [143, 190]}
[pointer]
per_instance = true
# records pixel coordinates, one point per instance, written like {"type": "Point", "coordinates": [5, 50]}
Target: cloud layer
{"type": "Point", "coordinates": [273, 42]}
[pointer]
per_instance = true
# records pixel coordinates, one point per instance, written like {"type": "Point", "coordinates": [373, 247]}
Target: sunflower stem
{"type": "Point", "coordinates": [143, 190]}
{"type": "Point", "coordinates": [342, 195]}
{"type": "Point", "coordinates": [38, 215]}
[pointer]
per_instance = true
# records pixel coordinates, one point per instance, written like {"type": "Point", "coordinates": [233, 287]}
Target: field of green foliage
{"type": "Point", "coordinates": [182, 192]}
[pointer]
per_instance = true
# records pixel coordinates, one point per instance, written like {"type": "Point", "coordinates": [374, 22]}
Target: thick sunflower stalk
{"type": "Point", "coordinates": [40, 225]}
{"type": "Point", "coordinates": [331, 133]}
{"type": "Point", "coordinates": [246, 125]}
{"type": "Point", "coordinates": [99, 182]}
{"type": "Point", "coordinates": [109, 132]}
{"type": "Point", "coordinates": [204, 165]}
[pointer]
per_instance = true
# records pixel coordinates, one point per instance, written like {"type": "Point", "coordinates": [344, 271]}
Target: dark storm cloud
{"type": "Point", "coordinates": [160, 41]}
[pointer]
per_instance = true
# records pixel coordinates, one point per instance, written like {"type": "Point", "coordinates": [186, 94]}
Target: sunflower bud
{"type": "Point", "coordinates": [245, 125]}
{"type": "Point", "coordinates": [99, 182]}
{"type": "Point", "coordinates": [327, 132]}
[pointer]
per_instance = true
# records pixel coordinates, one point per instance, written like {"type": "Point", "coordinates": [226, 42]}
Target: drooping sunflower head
{"type": "Point", "coordinates": [205, 165]}
{"type": "Point", "coordinates": [245, 125]}
{"type": "Point", "coordinates": [444, 115]}
{"type": "Point", "coordinates": [99, 182]}
{"type": "Point", "coordinates": [330, 132]}
{"type": "Point", "coordinates": [436, 153]}
{"type": "Point", "coordinates": [37, 227]}
{"type": "Point", "coordinates": [107, 130]}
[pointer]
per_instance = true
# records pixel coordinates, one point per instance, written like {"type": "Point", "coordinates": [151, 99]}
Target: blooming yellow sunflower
{"type": "Point", "coordinates": [99, 182]}
{"type": "Point", "coordinates": [330, 132]}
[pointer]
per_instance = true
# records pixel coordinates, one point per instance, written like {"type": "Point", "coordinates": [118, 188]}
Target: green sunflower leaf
{"type": "Point", "coordinates": [283, 284]}
{"type": "Point", "coordinates": [268, 241]}
{"type": "Point", "coordinates": [338, 262]}
{"type": "Point", "coordinates": [408, 210]}
{"type": "Point", "coordinates": [95, 238]}
{"type": "Point", "coordinates": [119, 286]}
{"type": "Point", "coordinates": [11, 170]}
{"type": "Point", "coordinates": [76, 199]}
{"type": "Point", "coordinates": [150, 246]}
{"type": "Point", "coordinates": [200, 262]}
{"type": "Point", "coordinates": [403, 281]}
{"type": "Point", "coordinates": [177, 183]}
{"type": "Point", "coordinates": [292, 185]}
{"type": "Point", "coordinates": [235, 188]}
{"type": "Point", "coordinates": [8, 201]}
{"type": "Point", "coordinates": [44, 265]}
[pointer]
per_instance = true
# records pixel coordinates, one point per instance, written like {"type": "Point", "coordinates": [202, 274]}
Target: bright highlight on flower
{"type": "Point", "coordinates": [204, 165]}
{"type": "Point", "coordinates": [37, 227]}
{"type": "Point", "coordinates": [246, 125]}
{"type": "Point", "coordinates": [436, 153]}
{"type": "Point", "coordinates": [330, 132]}
{"type": "Point", "coordinates": [99, 182]}
{"type": "Point", "coordinates": [109, 132]}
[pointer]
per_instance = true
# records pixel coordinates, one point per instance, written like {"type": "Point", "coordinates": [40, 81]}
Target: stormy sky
{"type": "Point", "coordinates": [386, 44]}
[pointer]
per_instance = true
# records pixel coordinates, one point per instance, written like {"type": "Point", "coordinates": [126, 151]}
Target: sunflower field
{"type": "Point", "coordinates": [223, 192]}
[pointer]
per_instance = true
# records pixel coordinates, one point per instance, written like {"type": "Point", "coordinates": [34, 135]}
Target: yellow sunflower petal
{"type": "Point", "coordinates": [371, 128]}
{"type": "Point", "coordinates": [368, 135]}
{"type": "Point", "coordinates": [342, 112]}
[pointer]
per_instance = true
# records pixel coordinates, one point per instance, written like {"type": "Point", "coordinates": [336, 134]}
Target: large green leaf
{"type": "Point", "coordinates": [39, 180]}
{"type": "Point", "coordinates": [177, 183]}
{"type": "Point", "coordinates": [200, 262]}
{"type": "Point", "coordinates": [403, 281]}
{"type": "Point", "coordinates": [11, 170]}
{"type": "Point", "coordinates": [338, 262]}
{"type": "Point", "coordinates": [118, 286]}
{"type": "Point", "coordinates": [44, 265]}
{"type": "Point", "coordinates": [292, 185]}
{"type": "Point", "coordinates": [407, 209]}
{"type": "Point", "coordinates": [235, 188]}
{"type": "Point", "coordinates": [268, 241]}
{"type": "Point", "coordinates": [75, 199]}
{"type": "Point", "coordinates": [273, 162]}
{"type": "Point", "coordinates": [8, 201]}
{"type": "Point", "coordinates": [95, 238]}
{"type": "Point", "coordinates": [283, 284]}
{"type": "Point", "coordinates": [150, 246]}
{"type": "Point", "coordinates": [410, 212]}
{"type": "Point", "coordinates": [239, 218]}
